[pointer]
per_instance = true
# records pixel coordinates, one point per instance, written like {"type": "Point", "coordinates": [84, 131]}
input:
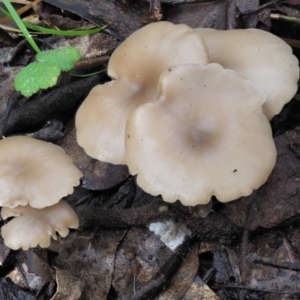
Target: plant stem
{"type": "Point", "coordinates": [283, 17]}
{"type": "Point", "coordinates": [21, 25]}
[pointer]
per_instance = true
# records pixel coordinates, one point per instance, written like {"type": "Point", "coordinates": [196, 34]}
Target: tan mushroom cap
{"type": "Point", "coordinates": [136, 66]}
{"type": "Point", "coordinates": [205, 135]}
{"type": "Point", "coordinates": [260, 56]}
{"type": "Point", "coordinates": [33, 227]}
{"type": "Point", "coordinates": [34, 172]}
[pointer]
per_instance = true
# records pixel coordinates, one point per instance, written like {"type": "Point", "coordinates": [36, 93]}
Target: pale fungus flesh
{"type": "Point", "coordinates": [263, 58]}
{"type": "Point", "coordinates": [33, 227]}
{"type": "Point", "coordinates": [34, 172]}
{"type": "Point", "coordinates": [135, 67]}
{"type": "Point", "coordinates": [205, 135]}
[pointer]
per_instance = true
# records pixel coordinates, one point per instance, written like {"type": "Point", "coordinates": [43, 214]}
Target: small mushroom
{"type": "Point", "coordinates": [33, 227]}
{"type": "Point", "coordinates": [34, 172]}
{"type": "Point", "coordinates": [135, 67]}
{"type": "Point", "coordinates": [260, 56]}
{"type": "Point", "coordinates": [205, 135]}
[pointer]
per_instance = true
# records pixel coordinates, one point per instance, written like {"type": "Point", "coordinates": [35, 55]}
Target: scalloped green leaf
{"type": "Point", "coordinates": [36, 76]}
{"type": "Point", "coordinates": [65, 58]}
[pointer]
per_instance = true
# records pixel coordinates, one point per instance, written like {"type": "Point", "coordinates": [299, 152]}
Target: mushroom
{"type": "Point", "coordinates": [205, 135]}
{"type": "Point", "coordinates": [260, 56]}
{"type": "Point", "coordinates": [135, 67]}
{"type": "Point", "coordinates": [33, 227]}
{"type": "Point", "coordinates": [34, 172]}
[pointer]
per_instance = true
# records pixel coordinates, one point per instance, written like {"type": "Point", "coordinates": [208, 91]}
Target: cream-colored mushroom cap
{"type": "Point", "coordinates": [135, 67]}
{"type": "Point", "coordinates": [205, 135]}
{"type": "Point", "coordinates": [260, 56]}
{"type": "Point", "coordinates": [34, 172]}
{"type": "Point", "coordinates": [33, 227]}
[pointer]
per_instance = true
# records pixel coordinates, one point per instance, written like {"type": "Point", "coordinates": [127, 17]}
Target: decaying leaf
{"type": "Point", "coordinates": [139, 258]}
{"type": "Point", "coordinates": [182, 281]}
{"type": "Point", "coordinates": [33, 273]}
{"type": "Point", "coordinates": [199, 290]}
{"type": "Point", "coordinates": [278, 199]}
{"type": "Point", "coordinates": [116, 14]}
{"type": "Point", "coordinates": [208, 14]}
{"type": "Point", "coordinates": [86, 264]}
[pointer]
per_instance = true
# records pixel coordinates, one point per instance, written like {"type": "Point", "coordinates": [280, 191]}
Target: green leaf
{"type": "Point", "coordinates": [44, 73]}
{"type": "Point", "coordinates": [65, 58]}
{"type": "Point", "coordinates": [36, 76]}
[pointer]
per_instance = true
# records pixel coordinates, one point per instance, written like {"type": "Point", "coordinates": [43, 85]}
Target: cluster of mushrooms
{"type": "Point", "coordinates": [34, 177]}
{"type": "Point", "coordinates": [188, 110]}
